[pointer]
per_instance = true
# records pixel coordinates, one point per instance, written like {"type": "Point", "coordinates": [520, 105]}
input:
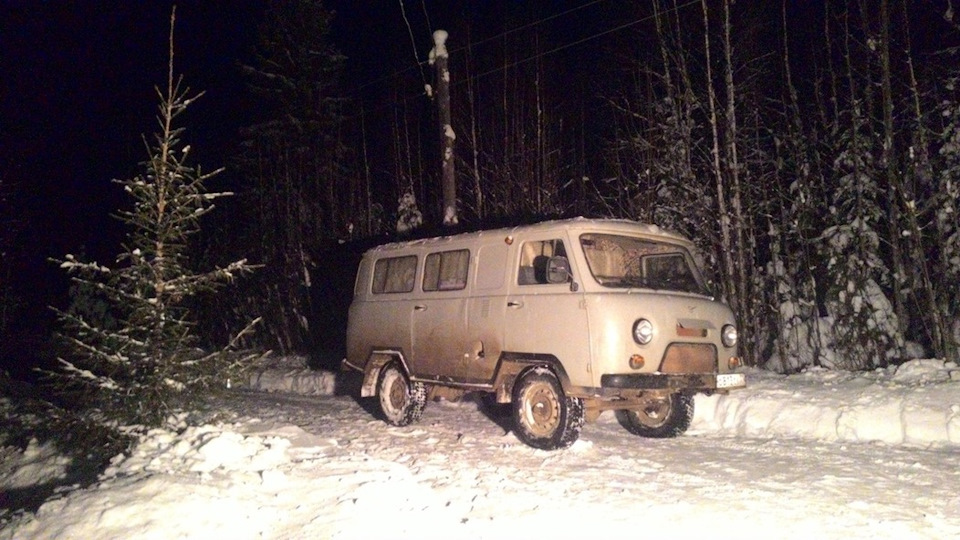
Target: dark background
{"type": "Point", "coordinates": [77, 96]}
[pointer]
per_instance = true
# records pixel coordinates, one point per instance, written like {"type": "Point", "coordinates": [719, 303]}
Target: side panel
{"type": "Point", "coordinates": [486, 312]}
{"type": "Point", "coordinates": [544, 318]}
{"type": "Point", "coordinates": [376, 321]}
{"type": "Point", "coordinates": [441, 346]}
{"type": "Point", "coordinates": [358, 347]}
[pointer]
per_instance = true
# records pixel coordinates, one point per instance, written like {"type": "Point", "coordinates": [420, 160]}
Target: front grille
{"type": "Point", "coordinates": [689, 358]}
{"type": "Point", "coordinates": [691, 332]}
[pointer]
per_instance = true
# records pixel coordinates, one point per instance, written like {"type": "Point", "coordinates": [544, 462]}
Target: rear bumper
{"type": "Point", "coordinates": [663, 381]}
{"type": "Point", "coordinates": [345, 365]}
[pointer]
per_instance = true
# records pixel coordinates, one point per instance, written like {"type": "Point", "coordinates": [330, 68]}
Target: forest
{"type": "Point", "coordinates": [810, 149]}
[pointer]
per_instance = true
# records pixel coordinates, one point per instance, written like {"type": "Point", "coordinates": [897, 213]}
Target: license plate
{"type": "Point", "coordinates": [731, 380]}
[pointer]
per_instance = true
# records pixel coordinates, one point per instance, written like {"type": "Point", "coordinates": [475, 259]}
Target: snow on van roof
{"type": "Point", "coordinates": [577, 223]}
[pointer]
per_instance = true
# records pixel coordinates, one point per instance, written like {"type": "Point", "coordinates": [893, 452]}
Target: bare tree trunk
{"type": "Point", "coordinates": [664, 56]}
{"type": "Point", "coordinates": [733, 165]}
{"type": "Point", "coordinates": [831, 71]}
{"type": "Point", "coordinates": [939, 328]}
{"type": "Point", "coordinates": [686, 97]}
{"type": "Point", "coordinates": [539, 158]}
{"type": "Point", "coordinates": [475, 134]}
{"type": "Point", "coordinates": [726, 245]}
{"type": "Point", "coordinates": [807, 171]}
{"type": "Point", "coordinates": [368, 202]}
{"type": "Point", "coordinates": [889, 159]}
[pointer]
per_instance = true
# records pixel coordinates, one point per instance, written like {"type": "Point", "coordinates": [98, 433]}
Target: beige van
{"type": "Point", "coordinates": [563, 319]}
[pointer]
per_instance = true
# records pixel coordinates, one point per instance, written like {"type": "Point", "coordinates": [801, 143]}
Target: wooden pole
{"type": "Point", "coordinates": [439, 58]}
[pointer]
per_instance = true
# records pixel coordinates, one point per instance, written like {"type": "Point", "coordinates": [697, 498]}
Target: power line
{"type": "Point", "coordinates": [528, 25]}
{"type": "Point", "coordinates": [539, 55]}
{"type": "Point", "coordinates": [420, 63]}
{"type": "Point", "coordinates": [413, 42]}
{"type": "Point", "coordinates": [577, 42]}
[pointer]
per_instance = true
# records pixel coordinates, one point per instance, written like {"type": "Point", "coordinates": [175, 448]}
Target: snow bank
{"type": "Point", "coordinates": [917, 403]}
{"type": "Point", "coordinates": [293, 376]}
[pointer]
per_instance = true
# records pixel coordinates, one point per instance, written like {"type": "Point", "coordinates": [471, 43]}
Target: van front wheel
{"type": "Point", "coordinates": [543, 416]}
{"type": "Point", "coordinates": [401, 401]}
{"type": "Point", "coordinates": [659, 417]}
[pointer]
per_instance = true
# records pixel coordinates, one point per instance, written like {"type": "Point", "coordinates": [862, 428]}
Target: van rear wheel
{"type": "Point", "coordinates": [543, 416]}
{"type": "Point", "coordinates": [401, 401]}
{"type": "Point", "coordinates": [659, 417]}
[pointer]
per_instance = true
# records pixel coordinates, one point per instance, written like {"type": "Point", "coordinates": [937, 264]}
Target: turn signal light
{"type": "Point", "coordinates": [734, 362]}
{"type": "Point", "coordinates": [636, 361]}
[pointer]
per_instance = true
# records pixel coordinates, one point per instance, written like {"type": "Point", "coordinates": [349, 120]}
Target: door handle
{"type": "Point", "coordinates": [514, 304]}
{"type": "Point", "coordinates": [419, 307]}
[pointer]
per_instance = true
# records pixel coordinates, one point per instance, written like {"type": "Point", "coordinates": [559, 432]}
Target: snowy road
{"type": "Point", "coordinates": [461, 472]}
{"type": "Point", "coordinates": [818, 454]}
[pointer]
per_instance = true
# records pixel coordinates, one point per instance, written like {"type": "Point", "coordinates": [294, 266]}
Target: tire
{"type": "Point", "coordinates": [659, 418]}
{"type": "Point", "coordinates": [401, 401]}
{"type": "Point", "coordinates": [543, 417]}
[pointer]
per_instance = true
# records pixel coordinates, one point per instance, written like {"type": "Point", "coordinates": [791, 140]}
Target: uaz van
{"type": "Point", "coordinates": [562, 319]}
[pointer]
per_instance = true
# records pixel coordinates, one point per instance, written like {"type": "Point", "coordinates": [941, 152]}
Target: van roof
{"type": "Point", "coordinates": [581, 224]}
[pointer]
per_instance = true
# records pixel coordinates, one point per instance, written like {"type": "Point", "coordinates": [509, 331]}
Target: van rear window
{"type": "Point", "coordinates": [395, 274]}
{"type": "Point", "coordinates": [446, 270]}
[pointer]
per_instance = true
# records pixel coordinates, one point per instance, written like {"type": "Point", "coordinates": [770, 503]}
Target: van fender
{"type": "Point", "coordinates": [375, 364]}
{"type": "Point", "coordinates": [513, 365]}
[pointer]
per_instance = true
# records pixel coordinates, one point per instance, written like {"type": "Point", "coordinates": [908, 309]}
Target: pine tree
{"type": "Point", "coordinates": [865, 328]}
{"type": "Point", "coordinates": [147, 366]}
{"type": "Point", "coordinates": [946, 201]}
{"type": "Point", "coordinates": [299, 195]}
{"type": "Point", "coordinates": [408, 215]}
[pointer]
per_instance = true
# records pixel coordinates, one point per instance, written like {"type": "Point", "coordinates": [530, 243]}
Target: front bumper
{"type": "Point", "coordinates": [663, 381]}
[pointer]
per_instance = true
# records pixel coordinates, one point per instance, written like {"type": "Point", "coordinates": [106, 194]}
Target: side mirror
{"type": "Point", "coordinates": [558, 270]}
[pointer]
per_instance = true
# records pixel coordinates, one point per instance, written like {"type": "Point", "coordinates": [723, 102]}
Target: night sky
{"type": "Point", "coordinates": [77, 95]}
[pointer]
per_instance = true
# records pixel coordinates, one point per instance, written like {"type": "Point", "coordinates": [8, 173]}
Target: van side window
{"type": "Point", "coordinates": [446, 270]}
{"type": "Point", "coordinates": [395, 274]}
{"type": "Point", "coordinates": [533, 260]}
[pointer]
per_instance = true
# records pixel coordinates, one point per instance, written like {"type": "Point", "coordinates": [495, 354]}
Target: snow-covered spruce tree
{"type": "Point", "coordinates": [947, 229]}
{"type": "Point", "coordinates": [147, 366]}
{"type": "Point", "coordinates": [865, 331]}
{"type": "Point", "coordinates": [408, 215]}
{"type": "Point", "coordinates": [298, 192]}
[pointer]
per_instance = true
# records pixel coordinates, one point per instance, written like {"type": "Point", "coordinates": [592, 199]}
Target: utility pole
{"type": "Point", "coordinates": [439, 58]}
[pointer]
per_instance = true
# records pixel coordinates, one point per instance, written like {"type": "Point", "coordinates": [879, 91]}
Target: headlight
{"type": "Point", "coordinates": [643, 331]}
{"type": "Point", "coordinates": [728, 335]}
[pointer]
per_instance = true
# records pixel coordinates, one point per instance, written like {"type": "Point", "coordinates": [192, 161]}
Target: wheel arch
{"type": "Point", "coordinates": [515, 365]}
{"type": "Point", "coordinates": [375, 363]}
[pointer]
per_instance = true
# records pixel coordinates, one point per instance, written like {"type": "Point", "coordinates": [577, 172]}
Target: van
{"type": "Point", "coordinates": [562, 320]}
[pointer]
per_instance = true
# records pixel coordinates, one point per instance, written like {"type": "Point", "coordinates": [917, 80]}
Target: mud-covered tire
{"type": "Point", "coordinates": [401, 401]}
{"type": "Point", "coordinates": [543, 416]}
{"type": "Point", "coordinates": [659, 418]}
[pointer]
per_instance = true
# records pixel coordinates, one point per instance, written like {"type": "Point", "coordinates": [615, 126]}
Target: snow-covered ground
{"type": "Point", "coordinates": [816, 455]}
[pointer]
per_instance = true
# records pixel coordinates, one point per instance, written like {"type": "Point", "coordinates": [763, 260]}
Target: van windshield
{"type": "Point", "coordinates": [627, 262]}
